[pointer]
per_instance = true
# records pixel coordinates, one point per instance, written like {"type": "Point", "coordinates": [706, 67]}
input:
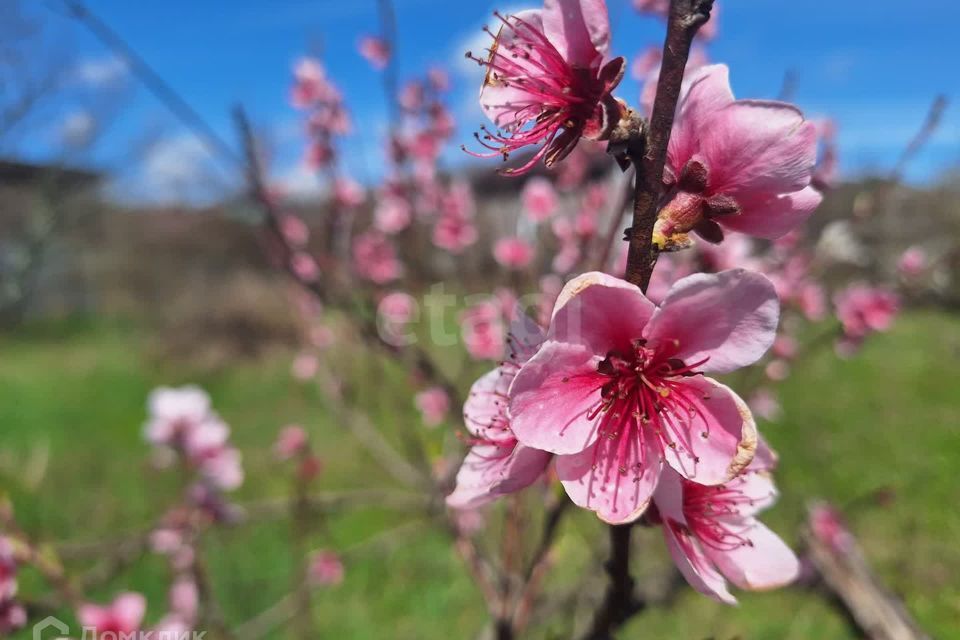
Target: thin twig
{"type": "Point", "coordinates": [929, 127]}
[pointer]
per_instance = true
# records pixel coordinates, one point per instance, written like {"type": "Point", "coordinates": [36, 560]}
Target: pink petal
{"type": "Point", "coordinates": [129, 609]}
{"type": "Point", "coordinates": [758, 488]}
{"type": "Point", "coordinates": [753, 145]}
{"type": "Point", "coordinates": [499, 101]}
{"type": "Point", "coordinates": [721, 439]}
{"type": "Point", "coordinates": [669, 496]}
{"type": "Point", "coordinates": [729, 317]}
{"type": "Point", "coordinates": [766, 563]}
{"type": "Point", "coordinates": [551, 397]}
{"type": "Point", "coordinates": [695, 566]}
{"type": "Point", "coordinates": [593, 482]}
{"type": "Point", "coordinates": [579, 29]}
{"type": "Point", "coordinates": [584, 313]}
{"type": "Point", "coordinates": [771, 216]}
{"type": "Point", "coordinates": [484, 411]}
{"type": "Point", "coordinates": [704, 92]}
{"type": "Point", "coordinates": [489, 472]}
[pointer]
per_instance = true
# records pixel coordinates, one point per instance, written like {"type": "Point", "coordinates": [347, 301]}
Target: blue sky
{"type": "Point", "coordinates": [874, 70]}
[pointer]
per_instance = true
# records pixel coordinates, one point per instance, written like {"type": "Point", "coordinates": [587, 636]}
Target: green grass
{"type": "Point", "coordinates": [889, 419]}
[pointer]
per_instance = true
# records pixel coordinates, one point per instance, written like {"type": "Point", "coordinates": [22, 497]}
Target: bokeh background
{"type": "Point", "coordinates": [129, 259]}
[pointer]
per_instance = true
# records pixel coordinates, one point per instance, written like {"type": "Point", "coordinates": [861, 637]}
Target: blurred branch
{"type": "Point", "coordinates": [388, 31]}
{"type": "Point", "coordinates": [866, 603]}
{"type": "Point", "coordinates": [623, 190]}
{"type": "Point", "coordinates": [789, 86]}
{"type": "Point", "coordinates": [620, 603]}
{"type": "Point", "coordinates": [927, 129]}
{"type": "Point", "coordinates": [153, 81]}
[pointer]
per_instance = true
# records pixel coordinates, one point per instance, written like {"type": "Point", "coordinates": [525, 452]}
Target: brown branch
{"type": "Point", "coordinates": [540, 563]}
{"type": "Point", "coordinates": [858, 593]}
{"type": "Point", "coordinates": [649, 153]}
{"type": "Point", "coordinates": [619, 603]}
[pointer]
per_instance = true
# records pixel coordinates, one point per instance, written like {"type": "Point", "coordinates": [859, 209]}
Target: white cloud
{"type": "Point", "coordinates": [78, 129]}
{"type": "Point", "coordinates": [299, 182]}
{"type": "Point", "coordinates": [101, 72]}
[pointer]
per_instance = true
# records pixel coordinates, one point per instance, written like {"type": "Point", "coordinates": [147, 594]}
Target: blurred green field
{"type": "Point", "coordinates": [889, 419]}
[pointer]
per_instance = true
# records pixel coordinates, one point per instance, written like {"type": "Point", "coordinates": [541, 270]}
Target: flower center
{"type": "Point", "coordinates": [645, 395]}
{"type": "Point", "coordinates": [710, 513]}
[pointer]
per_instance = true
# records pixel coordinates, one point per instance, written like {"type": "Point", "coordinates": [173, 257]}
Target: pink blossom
{"type": "Point", "coordinates": [433, 403]}
{"type": "Point", "coordinates": [734, 252]}
{"type": "Point", "coordinates": [184, 599]}
{"type": "Point", "coordinates": [175, 413]}
{"type": "Point", "coordinates": [305, 366]}
{"type": "Point", "coordinates": [392, 215]}
{"type": "Point", "coordinates": [827, 526]}
{"type": "Point", "coordinates": [482, 329]}
{"type": "Point", "coordinates": [375, 258]}
{"type": "Point", "coordinates": [395, 311]}
{"type": "Point", "coordinates": [661, 9]}
{"type": "Point", "coordinates": [321, 336]}
{"type": "Point", "coordinates": [550, 287]}
{"type": "Point", "coordinates": [618, 388]}
{"type": "Point", "coordinates": [539, 199]}
{"type": "Point", "coordinates": [304, 266]}
{"type": "Point", "coordinates": [513, 253]}
{"type": "Point", "coordinates": [454, 233]}
{"type": "Point", "coordinates": [294, 230]}
{"type": "Point", "coordinates": [310, 83]}
{"type": "Point", "coordinates": [291, 442]}
{"type": "Point", "coordinates": [712, 533]}
{"type": "Point", "coordinates": [785, 347]}
{"type": "Point", "coordinates": [123, 615]}
{"type": "Point", "coordinates": [376, 51]}
{"type": "Point", "coordinates": [12, 616]}
{"type": "Point", "coordinates": [497, 463]}
{"type": "Point", "coordinates": [764, 403]}
{"type": "Point", "coordinates": [735, 165]}
{"type": "Point", "coordinates": [8, 570]}
{"type": "Point", "coordinates": [777, 370]}
{"type": "Point", "coordinates": [569, 253]}
{"type": "Point", "coordinates": [549, 82]}
{"type": "Point", "coordinates": [912, 263]}
{"type": "Point", "coordinates": [439, 79]}
{"type": "Point", "coordinates": [348, 193]}
{"type": "Point", "coordinates": [863, 310]}
{"type": "Point", "coordinates": [326, 569]}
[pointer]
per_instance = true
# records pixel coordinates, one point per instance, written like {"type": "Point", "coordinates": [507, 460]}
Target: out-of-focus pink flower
{"type": "Point", "coordinates": [305, 366]}
{"type": "Point", "coordinates": [734, 252]}
{"type": "Point", "coordinates": [439, 79]}
{"type": "Point", "coordinates": [184, 599]}
{"type": "Point", "coordinates": [291, 441]}
{"type": "Point", "coordinates": [569, 252]}
{"type": "Point", "coordinates": [8, 570]}
{"type": "Point", "coordinates": [375, 258]}
{"type": "Point", "coordinates": [777, 370]}
{"type": "Point", "coordinates": [539, 199]}
{"type": "Point", "coordinates": [310, 83]}
{"type": "Point", "coordinates": [294, 230]}
{"type": "Point", "coordinates": [912, 263]}
{"type": "Point", "coordinates": [326, 569]}
{"type": "Point", "coordinates": [223, 468]}
{"type": "Point", "coordinates": [392, 215]}
{"type": "Point", "coordinates": [713, 533]}
{"type": "Point", "coordinates": [395, 311]}
{"type": "Point", "coordinates": [12, 616]}
{"type": "Point", "coordinates": [123, 615]}
{"type": "Point", "coordinates": [482, 329]}
{"type": "Point", "coordinates": [376, 51]}
{"type": "Point", "coordinates": [454, 233]}
{"type": "Point", "coordinates": [785, 347]}
{"type": "Point", "coordinates": [650, 62]}
{"type": "Point", "coordinates": [304, 267]}
{"type": "Point", "coordinates": [469, 522]}
{"type": "Point", "coordinates": [827, 525]}
{"type": "Point", "coordinates": [736, 165]}
{"type": "Point", "coordinates": [433, 403]}
{"type": "Point", "coordinates": [319, 154]}
{"type": "Point", "coordinates": [549, 82]}
{"type": "Point", "coordinates": [497, 464]}
{"type": "Point", "coordinates": [321, 336]}
{"type": "Point", "coordinates": [550, 287]}
{"type": "Point", "coordinates": [764, 403]}
{"type": "Point", "coordinates": [348, 193]}
{"type": "Point", "coordinates": [618, 389]}
{"type": "Point", "coordinates": [513, 253]}
{"type": "Point", "coordinates": [862, 310]}
{"type": "Point", "coordinates": [175, 413]}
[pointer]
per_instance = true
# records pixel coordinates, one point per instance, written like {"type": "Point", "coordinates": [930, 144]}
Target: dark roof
{"type": "Point", "coordinates": [15, 172]}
